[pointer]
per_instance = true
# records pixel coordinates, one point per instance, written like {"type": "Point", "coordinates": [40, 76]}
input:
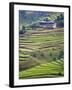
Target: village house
{"type": "Point", "coordinates": [44, 25]}
{"type": "Point", "coordinates": [48, 24]}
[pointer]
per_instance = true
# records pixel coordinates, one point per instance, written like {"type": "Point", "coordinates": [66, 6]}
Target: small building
{"type": "Point", "coordinates": [48, 24]}
{"type": "Point", "coordinates": [22, 31]}
{"type": "Point", "coordinates": [44, 25]}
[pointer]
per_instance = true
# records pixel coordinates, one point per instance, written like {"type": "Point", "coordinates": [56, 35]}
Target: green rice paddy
{"type": "Point", "coordinates": [41, 54]}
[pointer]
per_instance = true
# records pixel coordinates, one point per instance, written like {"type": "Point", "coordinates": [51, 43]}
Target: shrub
{"type": "Point", "coordinates": [59, 73]}
{"type": "Point", "coordinates": [61, 54]}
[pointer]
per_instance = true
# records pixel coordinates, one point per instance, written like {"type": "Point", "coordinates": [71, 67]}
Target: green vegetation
{"type": "Point", "coordinates": [41, 54]}
{"type": "Point", "coordinates": [41, 50]}
{"type": "Point", "coordinates": [27, 19]}
{"type": "Point", "coordinates": [52, 69]}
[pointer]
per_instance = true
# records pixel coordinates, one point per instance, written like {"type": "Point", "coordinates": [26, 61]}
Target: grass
{"type": "Point", "coordinates": [43, 38]}
{"type": "Point", "coordinates": [43, 69]}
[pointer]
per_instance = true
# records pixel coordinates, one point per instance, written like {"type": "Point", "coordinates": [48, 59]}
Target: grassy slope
{"type": "Point", "coordinates": [35, 49]}
{"type": "Point", "coordinates": [51, 69]}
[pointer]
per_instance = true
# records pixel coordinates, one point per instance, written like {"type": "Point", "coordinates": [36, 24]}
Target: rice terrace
{"type": "Point", "coordinates": [41, 44]}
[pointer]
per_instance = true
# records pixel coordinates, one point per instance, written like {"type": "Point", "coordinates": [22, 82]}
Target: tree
{"type": "Point", "coordinates": [42, 54]}
{"type": "Point", "coordinates": [54, 58]}
{"type": "Point", "coordinates": [50, 54]}
{"type": "Point", "coordinates": [60, 20]}
{"type": "Point", "coordinates": [61, 54]}
{"type": "Point", "coordinates": [23, 29]}
{"type": "Point", "coordinates": [61, 16]}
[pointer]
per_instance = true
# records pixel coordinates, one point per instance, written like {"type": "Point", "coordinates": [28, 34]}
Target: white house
{"type": "Point", "coordinates": [48, 24]}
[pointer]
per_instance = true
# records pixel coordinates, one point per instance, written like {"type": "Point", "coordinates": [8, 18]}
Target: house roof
{"type": "Point", "coordinates": [47, 22]}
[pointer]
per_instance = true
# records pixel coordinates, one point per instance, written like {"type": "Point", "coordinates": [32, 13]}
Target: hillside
{"type": "Point", "coordinates": [27, 18]}
{"type": "Point", "coordinates": [41, 53]}
{"type": "Point", "coordinates": [41, 50]}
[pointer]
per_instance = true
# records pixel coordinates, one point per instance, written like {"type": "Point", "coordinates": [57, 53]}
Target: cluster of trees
{"type": "Point", "coordinates": [57, 56]}
{"type": "Point", "coordinates": [60, 20]}
{"type": "Point", "coordinates": [60, 17]}
{"type": "Point", "coordinates": [50, 56]}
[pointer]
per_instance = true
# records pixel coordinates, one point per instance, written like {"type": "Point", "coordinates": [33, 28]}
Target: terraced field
{"type": "Point", "coordinates": [41, 53]}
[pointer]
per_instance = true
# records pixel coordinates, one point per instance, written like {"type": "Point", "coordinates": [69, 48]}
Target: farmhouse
{"type": "Point", "coordinates": [48, 24]}
{"type": "Point", "coordinates": [44, 25]}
